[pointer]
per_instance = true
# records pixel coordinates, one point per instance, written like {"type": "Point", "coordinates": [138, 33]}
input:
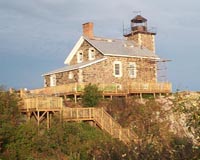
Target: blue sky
{"type": "Point", "coordinates": [37, 35]}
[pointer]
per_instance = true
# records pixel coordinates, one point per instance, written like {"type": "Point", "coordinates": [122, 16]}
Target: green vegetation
{"type": "Point", "coordinates": [80, 141]}
{"type": "Point", "coordinates": [190, 107]}
{"type": "Point", "coordinates": [91, 95]}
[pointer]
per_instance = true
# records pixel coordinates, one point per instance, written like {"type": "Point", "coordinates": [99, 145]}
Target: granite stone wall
{"type": "Point", "coordinates": [103, 72]}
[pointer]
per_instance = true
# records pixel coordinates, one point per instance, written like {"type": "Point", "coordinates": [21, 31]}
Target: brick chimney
{"type": "Point", "coordinates": [88, 30]}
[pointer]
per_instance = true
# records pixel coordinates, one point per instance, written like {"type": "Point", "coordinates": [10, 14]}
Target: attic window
{"type": "Point", "coordinates": [80, 57]}
{"type": "Point", "coordinates": [91, 54]}
{"type": "Point", "coordinates": [117, 69]}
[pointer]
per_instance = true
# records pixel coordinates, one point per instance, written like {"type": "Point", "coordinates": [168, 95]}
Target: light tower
{"type": "Point", "coordinates": [141, 34]}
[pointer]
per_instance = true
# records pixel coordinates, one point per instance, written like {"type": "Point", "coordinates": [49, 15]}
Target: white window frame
{"type": "Point", "coordinates": [45, 82]}
{"type": "Point", "coordinates": [80, 56]}
{"type": "Point", "coordinates": [52, 80]}
{"type": "Point", "coordinates": [120, 69]}
{"type": "Point", "coordinates": [91, 53]}
{"type": "Point", "coordinates": [132, 71]}
{"type": "Point", "coordinates": [71, 75]}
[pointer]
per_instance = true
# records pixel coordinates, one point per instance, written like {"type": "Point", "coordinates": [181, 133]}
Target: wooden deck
{"type": "Point", "coordinates": [107, 89]}
{"type": "Point", "coordinates": [42, 108]}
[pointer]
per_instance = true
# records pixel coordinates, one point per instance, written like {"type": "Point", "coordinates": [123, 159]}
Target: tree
{"type": "Point", "coordinates": [9, 117]}
{"type": "Point", "coordinates": [91, 95]}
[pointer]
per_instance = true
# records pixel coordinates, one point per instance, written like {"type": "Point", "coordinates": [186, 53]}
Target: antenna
{"type": "Point", "coordinates": [137, 12]}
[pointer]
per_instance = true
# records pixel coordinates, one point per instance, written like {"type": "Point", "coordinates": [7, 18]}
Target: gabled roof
{"type": "Point", "coordinates": [113, 47]}
{"type": "Point", "coordinates": [74, 67]}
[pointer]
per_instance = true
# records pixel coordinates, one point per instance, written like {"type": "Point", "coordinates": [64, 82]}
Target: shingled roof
{"type": "Point", "coordinates": [120, 47]}
{"type": "Point", "coordinates": [114, 47]}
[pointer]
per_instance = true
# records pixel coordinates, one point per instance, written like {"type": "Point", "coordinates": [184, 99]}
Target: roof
{"type": "Point", "coordinates": [76, 66]}
{"type": "Point", "coordinates": [121, 47]}
{"type": "Point", "coordinates": [139, 19]}
{"type": "Point", "coordinates": [113, 47]}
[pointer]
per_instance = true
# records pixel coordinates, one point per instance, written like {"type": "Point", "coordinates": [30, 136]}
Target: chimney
{"type": "Point", "coordinates": [88, 30]}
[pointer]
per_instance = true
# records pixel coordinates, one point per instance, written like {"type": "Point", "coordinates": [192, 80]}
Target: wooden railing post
{"type": "Point", "coordinates": [111, 126]}
{"type": "Point", "coordinates": [120, 134]}
{"type": "Point", "coordinates": [77, 113]}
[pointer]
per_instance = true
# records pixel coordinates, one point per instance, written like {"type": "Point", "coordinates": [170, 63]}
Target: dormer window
{"type": "Point", "coordinates": [79, 57]}
{"type": "Point", "coordinates": [91, 53]}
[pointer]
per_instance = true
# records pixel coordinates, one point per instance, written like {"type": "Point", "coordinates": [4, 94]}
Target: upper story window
{"type": "Point", "coordinates": [71, 75]}
{"type": "Point", "coordinates": [117, 69]}
{"type": "Point", "coordinates": [132, 70]}
{"type": "Point", "coordinates": [91, 53]}
{"type": "Point", "coordinates": [80, 57]}
{"type": "Point", "coordinates": [52, 80]}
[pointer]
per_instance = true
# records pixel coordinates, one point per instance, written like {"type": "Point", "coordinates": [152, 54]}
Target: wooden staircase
{"type": "Point", "coordinates": [102, 119]}
{"type": "Point", "coordinates": [42, 107]}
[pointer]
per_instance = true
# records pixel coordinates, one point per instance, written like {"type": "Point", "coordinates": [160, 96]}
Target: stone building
{"type": "Point", "coordinates": [97, 60]}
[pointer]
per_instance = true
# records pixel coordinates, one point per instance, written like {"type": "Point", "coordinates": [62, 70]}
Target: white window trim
{"type": "Point", "coordinates": [134, 70]}
{"type": "Point", "coordinates": [91, 55]}
{"type": "Point", "coordinates": [78, 56]}
{"type": "Point", "coordinates": [52, 80]}
{"type": "Point", "coordinates": [45, 82]}
{"type": "Point", "coordinates": [71, 75]}
{"type": "Point", "coordinates": [120, 68]}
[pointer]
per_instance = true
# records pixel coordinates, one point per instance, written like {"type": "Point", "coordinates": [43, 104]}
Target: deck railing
{"type": "Point", "coordinates": [39, 103]}
{"type": "Point", "coordinates": [102, 119]}
{"type": "Point", "coordinates": [161, 87]}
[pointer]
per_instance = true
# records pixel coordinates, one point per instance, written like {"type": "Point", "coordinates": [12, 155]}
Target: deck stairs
{"type": "Point", "coordinates": [102, 119]}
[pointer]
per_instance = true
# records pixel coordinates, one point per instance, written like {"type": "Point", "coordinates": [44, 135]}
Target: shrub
{"type": "Point", "coordinates": [91, 95]}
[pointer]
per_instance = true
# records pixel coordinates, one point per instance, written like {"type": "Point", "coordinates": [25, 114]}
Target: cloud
{"type": "Point", "coordinates": [46, 30]}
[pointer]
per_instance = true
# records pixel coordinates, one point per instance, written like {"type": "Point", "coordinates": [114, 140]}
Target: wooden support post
{"type": "Point", "coordinates": [154, 95]}
{"type": "Point", "coordinates": [75, 98]}
{"type": "Point", "coordinates": [50, 118]}
{"type": "Point", "coordinates": [65, 97]}
{"type": "Point", "coordinates": [61, 115]}
{"type": "Point", "coordinates": [141, 96]}
{"type": "Point", "coordinates": [38, 118]}
{"type": "Point", "coordinates": [28, 116]}
{"type": "Point", "coordinates": [48, 125]}
{"type": "Point", "coordinates": [110, 97]}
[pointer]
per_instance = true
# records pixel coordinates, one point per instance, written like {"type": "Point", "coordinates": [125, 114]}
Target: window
{"type": "Point", "coordinates": [80, 57]}
{"type": "Point", "coordinates": [53, 80]}
{"type": "Point", "coordinates": [71, 75]}
{"type": "Point", "coordinates": [91, 54]}
{"type": "Point", "coordinates": [117, 69]}
{"type": "Point", "coordinates": [45, 82]}
{"type": "Point", "coordinates": [132, 70]}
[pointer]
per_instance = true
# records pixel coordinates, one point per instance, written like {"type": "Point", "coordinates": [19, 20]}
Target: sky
{"type": "Point", "coordinates": [37, 35]}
